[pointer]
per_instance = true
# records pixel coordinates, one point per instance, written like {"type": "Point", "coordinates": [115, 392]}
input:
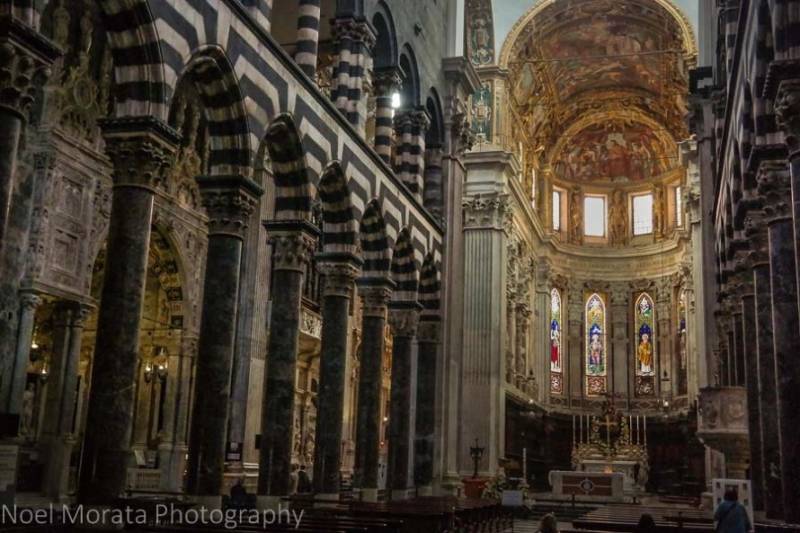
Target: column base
{"type": "Point", "coordinates": [210, 502]}
{"type": "Point", "coordinates": [400, 494]}
{"type": "Point", "coordinates": [369, 495]}
{"type": "Point", "coordinates": [450, 486]}
{"type": "Point", "coordinates": [427, 490]}
{"type": "Point", "coordinates": [58, 468]}
{"type": "Point", "coordinates": [269, 503]}
{"type": "Point", "coordinates": [322, 501]}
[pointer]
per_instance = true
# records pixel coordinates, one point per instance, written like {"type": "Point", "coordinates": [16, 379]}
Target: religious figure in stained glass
{"type": "Point", "coordinates": [644, 327]}
{"type": "Point", "coordinates": [595, 336]}
{"type": "Point", "coordinates": [555, 331]}
{"type": "Point", "coordinates": [682, 353]}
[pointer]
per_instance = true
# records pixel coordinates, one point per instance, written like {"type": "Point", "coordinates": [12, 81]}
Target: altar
{"type": "Point", "coordinates": [612, 443]}
{"type": "Point", "coordinates": [588, 486]}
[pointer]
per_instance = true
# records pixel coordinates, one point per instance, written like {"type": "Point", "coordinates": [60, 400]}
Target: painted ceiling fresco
{"type": "Point", "coordinates": [600, 62]}
{"type": "Point", "coordinates": [617, 151]}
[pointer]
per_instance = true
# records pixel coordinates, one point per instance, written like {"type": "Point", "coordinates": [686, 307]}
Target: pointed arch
{"type": "Point", "coordinates": [404, 270]}
{"type": "Point", "coordinates": [385, 50]}
{"type": "Point", "coordinates": [429, 288]}
{"type": "Point", "coordinates": [374, 243]}
{"type": "Point", "coordinates": [339, 227]}
{"type": "Point", "coordinates": [140, 83]}
{"type": "Point", "coordinates": [212, 76]}
{"type": "Point", "coordinates": [596, 356]}
{"type": "Point", "coordinates": [293, 189]}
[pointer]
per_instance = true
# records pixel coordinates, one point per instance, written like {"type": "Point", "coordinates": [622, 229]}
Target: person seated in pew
{"type": "Point", "coordinates": [646, 524]}
{"type": "Point", "coordinates": [549, 524]}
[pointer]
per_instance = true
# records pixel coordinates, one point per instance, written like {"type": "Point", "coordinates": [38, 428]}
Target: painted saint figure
{"type": "Point", "coordinates": [595, 351]}
{"type": "Point", "coordinates": [555, 346]}
{"type": "Point", "coordinates": [644, 352]}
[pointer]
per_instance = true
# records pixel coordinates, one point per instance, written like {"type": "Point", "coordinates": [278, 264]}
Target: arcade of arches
{"type": "Point", "coordinates": [328, 246]}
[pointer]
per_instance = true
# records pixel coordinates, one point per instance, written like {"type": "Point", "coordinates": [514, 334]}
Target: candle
{"type": "Point", "coordinates": [525, 464]}
{"type": "Point", "coordinates": [581, 427]}
{"type": "Point", "coordinates": [573, 431]}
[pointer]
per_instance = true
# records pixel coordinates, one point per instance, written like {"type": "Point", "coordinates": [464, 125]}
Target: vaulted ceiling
{"type": "Point", "coordinates": [599, 87]}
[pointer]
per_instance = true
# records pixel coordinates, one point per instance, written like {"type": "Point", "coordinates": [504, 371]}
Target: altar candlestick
{"type": "Point", "coordinates": [581, 427]}
{"type": "Point", "coordinates": [638, 437]}
{"type": "Point", "coordinates": [573, 431]}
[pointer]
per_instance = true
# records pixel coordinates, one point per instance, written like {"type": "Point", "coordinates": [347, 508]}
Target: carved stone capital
{"type": "Point", "coordinates": [229, 203]}
{"type": "Point", "coordinates": [375, 299]}
{"type": "Point", "coordinates": [141, 150]}
{"type": "Point", "coordinates": [25, 59]}
{"type": "Point", "coordinates": [353, 29]}
{"type": "Point", "coordinates": [429, 331]}
{"type": "Point", "coordinates": [774, 185]}
{"type": "Point", "coordinates": [787, 112]}
{"type": "Point", "coordinates": [80, 314]}
{"type": "Point", "coordinates": [487, 211]}
{"type": "Point", "coordinates": [29, 301]}
{"type": "Point", "coordinates": [386, 81]}
{"type": "Point", "coordinates": [292, 250]}
{"type": "Point", "coordinates": [404, 321]}
{"type": "Point", "coordinates": [339, 277]}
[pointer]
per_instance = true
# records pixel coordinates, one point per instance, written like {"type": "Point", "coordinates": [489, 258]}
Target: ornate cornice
{"type": "Point", "coordinates": [229, 203]}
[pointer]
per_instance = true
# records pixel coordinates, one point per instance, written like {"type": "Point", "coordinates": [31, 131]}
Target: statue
{"type": "Point", "coordinates": [618, 218]}
{"type": "Point", "coordinates": [576, 211]}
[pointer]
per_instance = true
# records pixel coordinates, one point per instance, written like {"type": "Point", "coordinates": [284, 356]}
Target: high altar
{"type": "Point", "coordinates": [612, 442]}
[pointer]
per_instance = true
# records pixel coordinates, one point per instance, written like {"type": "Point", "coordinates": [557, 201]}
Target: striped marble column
{"type": "Point", "coordinates": [306, 50]}
{"type": "Point", "coordinates": [385, 83]}
{"type": "Point", "coordinates": [354, 41]}
{"type": "Point", "coordinates": [410, 129]}
{"type": "Point", "coordinates": [432, 195]}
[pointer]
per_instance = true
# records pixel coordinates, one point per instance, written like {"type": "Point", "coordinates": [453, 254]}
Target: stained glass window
{"type": "Point", "coordinates": [682, 347]}
{"type": "Point", "coordinates": [556, 378]}
{"type": "Point", "coordinates": [645, 352]}
{"type": "Point", "coordinates": [595, 345]}
{"type": "Point", "coordinates": [556, 210]}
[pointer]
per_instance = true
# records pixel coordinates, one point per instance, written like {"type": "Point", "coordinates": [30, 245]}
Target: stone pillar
{"type": "Point", "coordinates": [523, 325]}
{"type": "Point", "coordinates": [140, 150]}
{"type": "Point", "coordinates": [619, 374]}
{"type": "Point", "coordinates": [403, 322]}
{"type": "Point", "coordinates": [374, 299]}
{"type": "Point", "coordinates": [482, 412]}
{"type": "Point", "coordinates": [354, 39]}
{"type": "Point", "coordinates": [27, 315]}
{"type": "Point", "coordinates": [293, 243]}
{"type": "Point", "coordinates": [62, 388]}
{"type": "Point", "coordinates": [174, 448]}
{"type": "Point", "coordinates": [386, 82]}
{"type": "Point", "coordinates": [574, 357]}
{"type": "Point", "coordinates": [306, 52]}
{"type": "Point", "coordinates": [428, 341]}
{"type": "Point", "coordinates": [25, 56]}
{"type": "Point", "coordinates": [410, 126]}
{"type": "Point", "coordinates": [339, 274]}
{"type": "Point", "coordinates": [765, 355]}
{"type": "Point", "coordinates": [749, 335]}
{"type": "Point", "coordinates": [665, 359]}
{"type": "Point", "coordinates": [229, 202]}
{"type": "Point", "coordinates": [774, 183]}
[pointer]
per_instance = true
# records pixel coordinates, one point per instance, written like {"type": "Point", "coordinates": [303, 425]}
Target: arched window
{"type": "Point", "coordinates": [645, 353]}
{"type": "Point", "coordinates": [596, 363]}
{"type": "Point", "coordinates": [556, 354]}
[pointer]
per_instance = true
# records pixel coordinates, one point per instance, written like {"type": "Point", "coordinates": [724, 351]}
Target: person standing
{"type": "Point", "coordinates": [731, 516]}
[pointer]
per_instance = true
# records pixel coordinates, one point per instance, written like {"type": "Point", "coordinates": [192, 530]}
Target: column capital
{"type": "Point", "coordinates": [25, 59]}
{"type": "Point", "coordinates": [229, 202]}
{"type": "Point", "coordinates": [340, 274]}
{"type": "Point", "coordinates": [141, 150]}
{"type": "Point", "coordinates": [386, 80]}
{"type": "Point", "coordinates": [29, 300]}
{"type": "Point", "coordinates": [774, 186]}
{"type": "Point", "coordinates": [292, 243]}
{"type": "Point", "coordinates": [487, 211]}
{"type": "Point", "coordinates": [375, 297]}
{"type": "Point", "coordinates": [404, 321]}
{"type": "Point", "coordinates": [787, 113]}
{"type": "Point", "coordinates": [429, 331]}
{"type": "Point", "coordinates": [356, 29]}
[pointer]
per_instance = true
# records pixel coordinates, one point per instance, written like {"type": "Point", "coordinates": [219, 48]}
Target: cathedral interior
{"type": "Point", "coordinates": [386, 260]}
